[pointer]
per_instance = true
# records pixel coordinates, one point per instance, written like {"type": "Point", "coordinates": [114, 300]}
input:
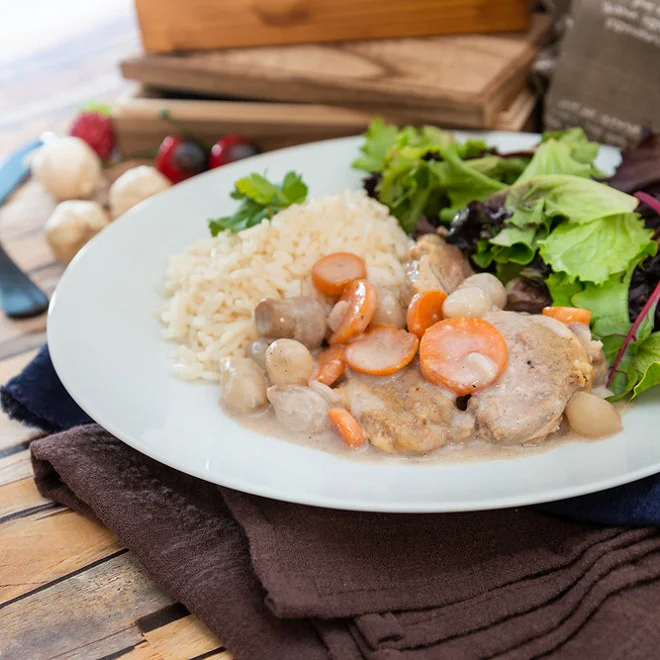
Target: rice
{"type": "Point", "coordinates": [213, 287]}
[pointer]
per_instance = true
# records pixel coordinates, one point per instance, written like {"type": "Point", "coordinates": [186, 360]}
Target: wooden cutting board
{"type": "Point", "coordinates": [465, 80]}
{"type": "Point", "coordinates": [142, 118]}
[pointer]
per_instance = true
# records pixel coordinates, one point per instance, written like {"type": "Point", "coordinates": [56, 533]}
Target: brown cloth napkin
{"type": "Point", "coordinates": [282, 581]}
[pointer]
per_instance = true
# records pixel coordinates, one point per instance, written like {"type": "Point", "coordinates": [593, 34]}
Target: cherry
{"type": "Point", "coordinates": [231, 148]}
{"type": "Point", "coordinates": [179, 158]}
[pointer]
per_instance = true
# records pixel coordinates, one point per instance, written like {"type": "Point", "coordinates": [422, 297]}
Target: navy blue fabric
{"type": "Point", "coordinates": [37, 397]}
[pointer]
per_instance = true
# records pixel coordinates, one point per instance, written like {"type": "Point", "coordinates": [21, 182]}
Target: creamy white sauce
{"type": "Point", "coordinates": [476, 450]}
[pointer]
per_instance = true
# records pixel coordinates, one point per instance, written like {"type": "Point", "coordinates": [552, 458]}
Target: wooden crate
{"type": "Point", "coordinates": [140, 126]}
{"type": "Point", "coordinates": [465, 80]}
{"type": "Point", "coordinates": [176, 25]}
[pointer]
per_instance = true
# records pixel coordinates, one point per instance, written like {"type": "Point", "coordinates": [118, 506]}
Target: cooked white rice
{"type": "Point", "coordinates": [214, 286]}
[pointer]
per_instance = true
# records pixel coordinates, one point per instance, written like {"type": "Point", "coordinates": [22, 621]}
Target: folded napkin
{"type": "Point", "coordinates": [277, 580]}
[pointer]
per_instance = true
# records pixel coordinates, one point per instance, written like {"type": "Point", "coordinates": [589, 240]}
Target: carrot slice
{"type": "Point", "coordinates": [332, 273]}
{"type": "Point", "coordinates": [424, 310]}
{"type": "Point", "coordinates": [347, 427]}
{"type": "Point", "coordinates": [383, 350]}
{"type": "Point", "coordinates": [463, 354]}
{"type": "Point", "coordinates": [362, 299]}
{"type": "Point", "coordinates": [569, 314]}
{"type": "Point", "coordinates": [330, 366]}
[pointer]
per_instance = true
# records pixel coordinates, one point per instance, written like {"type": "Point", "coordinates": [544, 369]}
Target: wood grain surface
{"type": "Point", "coordinates": [462, 80]}
{"type": "Point", "coordinates": [172, 25]}
{"type": "Point", "coordinates": [68, 589]}
{"type": "Point", "coordinates": [140, 126]}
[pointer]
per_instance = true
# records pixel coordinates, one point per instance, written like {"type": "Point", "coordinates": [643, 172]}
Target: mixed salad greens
{"type": "Point", "coordinates": [546, 221]}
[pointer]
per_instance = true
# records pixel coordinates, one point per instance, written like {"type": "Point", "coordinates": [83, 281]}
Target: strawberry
{"type": "Point", "coordinates": [95, 128]}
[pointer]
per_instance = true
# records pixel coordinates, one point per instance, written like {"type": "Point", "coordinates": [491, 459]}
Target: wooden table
{"type": "Point", "coordinates": [68, 589]}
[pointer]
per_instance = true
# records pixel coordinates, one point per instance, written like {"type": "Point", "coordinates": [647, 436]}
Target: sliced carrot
{"type": "Point", "coordinates": [346, 427]}
{"type": "Point", "coordinates": [383, 350]}
{"type": "Point", "coordinates": [424, 310]}
{"type": "Point", "coordinates": [362, 299]}
{"type": "Point", "coordinates": [463, 354]}
{"type": "Point", "coordinates": [332, 273]}
{"type": "Point", "coordinates": [569, 314]}
{"type": "Point", "coordinates": [330, 365]}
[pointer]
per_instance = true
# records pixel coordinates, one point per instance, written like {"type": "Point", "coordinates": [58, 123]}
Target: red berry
{"type": "Point", "coordinates": [231, 148]}
{"type": "Point", "coordinates": [95, 128]}
{"type": "Point", "coordinates": [179, 159]}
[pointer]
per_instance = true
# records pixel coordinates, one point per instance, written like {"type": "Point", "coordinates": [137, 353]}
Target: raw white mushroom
{"type": "Point", "coordinates": [71, 225]}
{"type": "Point", "coordinates": [67, 167]}
{"type": "Point", "coordinates": [134, 186]}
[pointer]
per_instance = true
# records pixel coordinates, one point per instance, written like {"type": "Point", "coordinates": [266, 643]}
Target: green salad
{"type": "Point", "coordinates": [545, 221]}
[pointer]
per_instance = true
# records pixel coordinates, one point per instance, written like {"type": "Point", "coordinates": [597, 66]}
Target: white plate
{"type": "Point", "coordinates": [106, 347]}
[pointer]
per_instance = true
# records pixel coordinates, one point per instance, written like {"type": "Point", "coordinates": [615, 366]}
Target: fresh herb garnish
{"type": "Point", "coordinates": [261, 199]}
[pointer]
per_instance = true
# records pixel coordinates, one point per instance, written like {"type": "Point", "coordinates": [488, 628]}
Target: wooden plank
{"type": "Point", "coordinates": [91, 605]}
{"type": "Point", "coordinates": [143, 651]}
{"type": "Point", "coordinates": [168, 25]}
{"type": "Point", "coordinates": [20, 496]}
{"type": "Point", "coordinates": [183, 639]}
{"type": "Point", "coordinates": [126, 644]}
{"type": "Point", "coordinates": [47, 546]}
{"type": "Point", "coordinates": [140, 126]}
{"type": "Point", "coordinates": [15, 467]}
{"type": "Point", "coordinates": [459, 80]}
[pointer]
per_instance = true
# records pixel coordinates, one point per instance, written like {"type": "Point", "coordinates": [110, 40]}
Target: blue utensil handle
{"type": "Point", "coordinates": [20, 298]}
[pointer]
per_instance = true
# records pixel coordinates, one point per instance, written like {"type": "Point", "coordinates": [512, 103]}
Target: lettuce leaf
{"type": "Point", "coordinates": [379, 137]}
{"type": "Point", "coordinates": [555, 157]}
{"type": "Point", "coordinates": [647, 364]}
{"type": "Point", "coordinates": [595, 251]}
{"type": "Point", "coordinates": [578, 199]}
{"type": "Point", "coordinates": [582, 150]}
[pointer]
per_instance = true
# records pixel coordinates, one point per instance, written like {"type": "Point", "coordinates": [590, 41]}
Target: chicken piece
{"type": "Point", "coordinates": [594, 350]}
{"type": "Point", "coordinates": [547, 364]}
{"type": "Point", "coordinates": [404, 413]}
{"type": "Point", "coordinates": [434, 264]}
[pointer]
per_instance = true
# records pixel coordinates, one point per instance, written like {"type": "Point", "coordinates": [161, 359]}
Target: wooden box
{"type": "Point", "coordinates": [140, 124]}
{"type": "Point", "coordinates": [465, 80]}
{"type": "Point", "coordinates": [178, 25]}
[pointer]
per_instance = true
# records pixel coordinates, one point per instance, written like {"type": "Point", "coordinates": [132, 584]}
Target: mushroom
{"type": "Point", "coordinates": [389, 310]}
{"type": "Point", "coordinates": [71, 225]}
{"type": "Point", "coordinates": [289, 362]}
{"type": "Point", "coordinates": [299, 408]}
{"type": "Point", "coordinates": [134, 186]}
{"type": "Point", "coordinates": [301, 318]}
{"type": "Point", "coordinates": [67, 167]}
{"type": "Point", "coordinates": [242, 386]}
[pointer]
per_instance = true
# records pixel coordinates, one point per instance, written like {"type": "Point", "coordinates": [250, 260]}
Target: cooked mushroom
{"type": "Point", "coordinates": [242, 386]}
{"type": "Point", "coordinates": [299, 408]}
{"type": "Point", "coordinates": [289, 362]}
{"type": "Point", "coordinates": [389, 310]}
{"type": "Point", "coordinates": [257, 351]}
{"type": "Point", "coordinates": [301, 318]}
{"type": "Point", "coordinates": [490, 285]}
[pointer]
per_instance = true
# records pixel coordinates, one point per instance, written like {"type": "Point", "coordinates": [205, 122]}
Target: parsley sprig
{"type": "Point", "coordinates": [261, 199]}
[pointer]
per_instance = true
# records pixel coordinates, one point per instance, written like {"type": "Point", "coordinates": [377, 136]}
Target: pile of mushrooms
{"type": "Point", "coordinates": [279, 367]}
{"type": "Point", "coordinates": [70, 170]}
